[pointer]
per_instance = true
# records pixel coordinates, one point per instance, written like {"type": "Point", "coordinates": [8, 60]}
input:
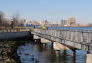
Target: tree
{"type": "Point", "coordinates": [15, 20]}
{"type": "Point", "coordinates": [1, 18]}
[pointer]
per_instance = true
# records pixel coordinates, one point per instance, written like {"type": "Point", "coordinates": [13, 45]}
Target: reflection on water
{"type": "Point", "coordinates": [37, 53]}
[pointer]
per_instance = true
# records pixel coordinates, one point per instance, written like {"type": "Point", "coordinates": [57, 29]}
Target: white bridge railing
{"type": "Point", "coordinates": [81, 39]}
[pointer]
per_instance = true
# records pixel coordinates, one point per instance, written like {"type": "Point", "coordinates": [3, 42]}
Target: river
{"type": "Point", "coordinates": [38, 53]}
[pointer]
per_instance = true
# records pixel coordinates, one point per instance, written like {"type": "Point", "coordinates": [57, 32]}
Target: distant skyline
{"type": "Point", "coordinates": [52, 10]}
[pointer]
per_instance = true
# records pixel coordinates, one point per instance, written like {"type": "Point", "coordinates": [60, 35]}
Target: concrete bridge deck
{"type": "Point", "coordinates": [80, 39]}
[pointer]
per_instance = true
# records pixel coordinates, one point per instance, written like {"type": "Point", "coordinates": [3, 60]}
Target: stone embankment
{"type": "Point", "coordinates": [9, 41]}
{"type": "Point", "coordinates": [8, 52]}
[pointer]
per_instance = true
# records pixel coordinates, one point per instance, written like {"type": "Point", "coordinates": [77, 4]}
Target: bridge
{"type": "Point", "coordinates": [74, 38]}
{"type": "Point", "coordinates": [60, 39]}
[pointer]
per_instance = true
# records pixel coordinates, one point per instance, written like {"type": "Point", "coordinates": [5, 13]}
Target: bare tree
{"type": "Point", "coordinates": [15, 20]}
{"type": "Point", "coordinates": [1, 18]}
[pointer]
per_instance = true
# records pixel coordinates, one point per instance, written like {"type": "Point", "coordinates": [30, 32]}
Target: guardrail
{"type": "Point", "coordinates": [81, 39]}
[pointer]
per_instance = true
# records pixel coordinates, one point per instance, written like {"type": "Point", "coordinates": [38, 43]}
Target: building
{"type": "Point", "coordinates": [71, 21]}
{"type": "Point", "coordinates": [63, 22]}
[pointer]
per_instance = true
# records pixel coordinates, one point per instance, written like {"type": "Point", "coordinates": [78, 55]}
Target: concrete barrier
{"type": "Point", "coordinates": [36, 37]}
{"type": "Point", "coordinates": [43, 40]}
{"type": "Point", "coordinates": [89, 58]}
{"type": "Point", "coordinates": [10, 35]}
{"type": "Point", "coordinates": [58, 46]}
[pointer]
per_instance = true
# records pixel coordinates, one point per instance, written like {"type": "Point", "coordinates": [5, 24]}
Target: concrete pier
{"type": "Point", "coordinates": [36, 37]}
{"type": "Point", "coordinates": [43, 40]}
{"type": "Point", "coordinates": [58, 46]}
{"type": "Point", "coordinates": [89, 58]}
{"type": "Point", "coordinates": [57, 53]}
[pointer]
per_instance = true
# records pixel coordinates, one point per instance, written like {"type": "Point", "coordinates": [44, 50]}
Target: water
{"type": "Point", "coordinates": [37, 53]}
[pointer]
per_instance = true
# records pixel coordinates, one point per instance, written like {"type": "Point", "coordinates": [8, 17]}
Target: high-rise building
{"type": "Point", "coordinates": [71, 21]}
{"type": "Point", "coordinates": [63, 22]}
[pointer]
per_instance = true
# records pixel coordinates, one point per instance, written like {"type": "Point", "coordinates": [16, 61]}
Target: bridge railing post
{"type": "Point", "coordinates": [89, 54]}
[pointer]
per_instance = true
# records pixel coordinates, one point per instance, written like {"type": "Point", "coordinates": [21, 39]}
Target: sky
{"type": "Point", "coordinates": [52, 10]}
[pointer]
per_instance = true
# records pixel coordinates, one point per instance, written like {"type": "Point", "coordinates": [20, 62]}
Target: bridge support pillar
{"type": "Point", "coordinates": [52, 45]}
{"type": "Point", "coordinates": [74, 52]}
{"type": "Point", "coordinates": [57, 53]}
{"type": "Point", "coordinates": [38, 41]}
{"type": "Point", "coordinates": [74, 55]}
{"type": "Point", "coordinates": [44, 42]}
{"type": "Point", "coordinates": [36, 37]}
{"type": "Point", "coordinates": [89, 58]}
{"type": "Point", "coordinates": [58, 46]}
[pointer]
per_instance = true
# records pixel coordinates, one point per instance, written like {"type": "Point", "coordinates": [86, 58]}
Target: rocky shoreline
{"type": "Point", "coordinates": [8, 52]}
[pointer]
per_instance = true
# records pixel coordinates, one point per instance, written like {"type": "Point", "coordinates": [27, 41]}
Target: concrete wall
{"type": "Point", "coordinates": [10, 35]}
{"type": "Point", "coordinates": [58, 46]}
{"type": "Point", "coordinates": [89, 58]}
{"type": "Point", "coordinates": [43, 40]}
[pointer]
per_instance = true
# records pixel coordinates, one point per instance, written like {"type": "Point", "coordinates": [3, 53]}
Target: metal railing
{"type": "Point", "coordinates": [81, 39]}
